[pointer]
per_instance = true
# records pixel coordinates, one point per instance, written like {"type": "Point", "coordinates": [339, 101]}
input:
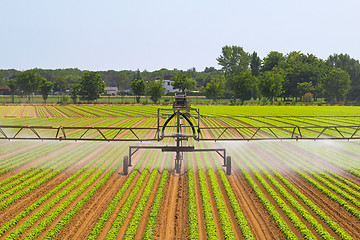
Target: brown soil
{"type": "Point", "coordinates": [172, 221]}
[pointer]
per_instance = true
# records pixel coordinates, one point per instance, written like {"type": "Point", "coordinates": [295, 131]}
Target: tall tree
{"type": "Point", "coordinates": [155, 90]}
{"type": "Point", "coordinates": [240, 84]}
{"type": "Point", "coordinates": [12, 85]}
{"type": "Point", "coordinates": [270, 84]}
{"type": "Point", "coordinates": [302, 68]}
{"type": "Point", "coordinates": [233, 60]}
{"type": "Point", "coordinates": [336, 85]}
{"type": "Point", "coordinates": [215, 88]}
{"type": "Point", "coordinates": [45, 88]}
{"type": "Point", "coordinates": [138, 86]}
{"type": "Point", "coordinates": [273, 59]}
{"type": "Point", "coordinates": [305, 87]}
{"type": "Point", "coordinates": [74, 92]}
{"type": "Point", "coordinates": [28, 82]}
{"type": "Point", "coordinates": [91, 86]}
{"type": "Point", "coordinates": [60, 85]}
{"type": "Point", "coordinates": [255, 64]}
{"type": "Point", "coordinates": [183, 81]}
{"type": "Point", "coordinates": [352, 66]}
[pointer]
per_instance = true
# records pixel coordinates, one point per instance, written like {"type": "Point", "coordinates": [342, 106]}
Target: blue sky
{"type": "Point", "coordinates": [149, 35]}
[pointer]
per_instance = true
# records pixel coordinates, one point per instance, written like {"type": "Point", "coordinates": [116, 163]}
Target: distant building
{"type": "Point", "coordinates": [167, 84]}
{"type": "Point", "coordinates": [5, 90]}
{"type": "Point", "coordinates": [112, 91]}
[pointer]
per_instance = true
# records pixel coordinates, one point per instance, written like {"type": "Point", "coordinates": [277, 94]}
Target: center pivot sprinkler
{"type": "Point", "coordinates": [182, 122]}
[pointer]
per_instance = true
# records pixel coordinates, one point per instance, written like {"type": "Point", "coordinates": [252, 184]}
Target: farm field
{"type": "Point", "coordinates": [277, 189]}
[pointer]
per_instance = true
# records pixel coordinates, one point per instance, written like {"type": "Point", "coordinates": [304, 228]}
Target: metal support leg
{"type": "Point", "coordinates": [125, 165]}
{"type": "Point", "coordinates": [228, 165]}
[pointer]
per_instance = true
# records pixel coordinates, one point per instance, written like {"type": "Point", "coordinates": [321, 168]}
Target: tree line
{"type": "Point", "coordinates": [25, 83]}
{"type": "Point", "coordinates": [242, 76]}
{"type": "Point", "coordinates": [295, 75]}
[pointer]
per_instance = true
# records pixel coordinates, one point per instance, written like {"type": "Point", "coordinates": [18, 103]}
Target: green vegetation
{"type": "Point", "coordinates": [292, 77]}
{"type": "Point", "coordinates": [286, 191]}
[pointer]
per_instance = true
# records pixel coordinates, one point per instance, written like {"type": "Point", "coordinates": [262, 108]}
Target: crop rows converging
{"type": "Point", "coordinates": [276, 190]}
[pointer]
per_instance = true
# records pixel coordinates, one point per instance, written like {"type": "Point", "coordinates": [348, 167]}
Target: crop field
{"type": "Point", "coordinates": [277, 189]}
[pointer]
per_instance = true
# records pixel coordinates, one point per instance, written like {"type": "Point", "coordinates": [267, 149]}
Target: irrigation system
{"type": "Point", "coordinates": [181, 123]}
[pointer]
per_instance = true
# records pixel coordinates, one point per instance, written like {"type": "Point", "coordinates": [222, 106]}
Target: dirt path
{"type": "Point", "coordinates": [172, 221]}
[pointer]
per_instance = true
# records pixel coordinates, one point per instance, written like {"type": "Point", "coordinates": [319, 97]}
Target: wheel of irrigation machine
{"type": "Point", "coordinates": [228, 165]}
{"type": "Point", "coordinates": [125, 165]}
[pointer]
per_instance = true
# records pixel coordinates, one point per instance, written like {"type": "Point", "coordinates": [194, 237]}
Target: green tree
{"type": "Point", "coordinates": [303, 69]}
{"type": "Point", "coordinates": [273, 59]}
{"type": "Point", "coordinates": [45, 88]}
{"type": "Point", "coordinates": [91, 86]}
{"type": "Point", "coordinates": [139, 88]}
{"type": "Point", "coordinates": [240, 84]}
{"type": "Point", "coordinates": [2, 79]}
{"type": "Point", "coordinates": [215, 88]}
{"type": "Point", "coordinates": [271, 84]}
{"type": "Point", "coordinates": [74, 92]}
{"type": "Point", "coordinates": [155, 90]}
{"type": "Point", "coordinates": [12, 85]}
{"type": "Point", "coordinates": [352, 66]}
{"type": "Point", "coordinates": [305, 87]}
{"type": "Point", "coordinates": [28, 82]}
{"type": "Point", "coordinates": [255, 64]}
{"type": "Point", "coordinates": [233, 60]}
{"type": "Point", "coordinates": [336, 85]}
{"type": "Point", "coordinates": [61, 85]}
{"type": "Point", "coordinates": [183, 81]}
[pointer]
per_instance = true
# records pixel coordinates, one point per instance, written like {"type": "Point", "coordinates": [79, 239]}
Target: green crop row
{"type": "Point", "coordinates": [20, 177]}
{"type": "Point", "coordinates": [220, 205]}
{"type": "Point", "coordinates": [39, 179]}
{"type": "Point", "coordinates": [18, 160]}
{"type": "Point", "coordinates": [30, 177]}
{"type": "Point", "coordinates": [38, 182]}
{"type": "Point", "coordinates": [192, 211]}
{"type": "Point", "coordinates": [29, 222]}
{"type": "Point", "coordinates": [55, 230]}
{"type": "Point", "coordinates": [331, 195]}
{"type": "Point", "coordinates": [307, 234]}
{"type": "Point", "coordinates": [135, 220]}
{"type": "Point", "coordinates": [338, 190]}
{"type": "Point", "coordinates": [41, 112]}
{"type": "Point", "coordinates": [303, 212]}
{"type": "Point", "coordinates": [331, 223]}
{"type": "Point", "coordinates": [23, 184]}
{"type": "Point", "coordinates": [120, 218]}
{"type": "Point", "coordinates": [54, 111]}
{"type": "Point", "coordinates": [50, 218]}
{"type": "Point", "coordinates": [110, 209]}
{"type": "Point", "coordinates": [154, 212]}
{"type": "Point", "coordinates": [269, 207]}
{"type": "Point", "coordinates": [346, 187]}
{"type": "Point", "coordinates": [347, 182]}
{"type": "Point", "coordinates": [207, 209]}
{"type": "Point", "coordinates": [241, 220]}
{"type": "Point", "coordinates": [16, 176]}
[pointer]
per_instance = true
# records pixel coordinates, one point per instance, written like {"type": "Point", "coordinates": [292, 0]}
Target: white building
{"type": "Point", "coordinates": [167, 84]}
{"type": "Point", "coordinates": [112, 91]}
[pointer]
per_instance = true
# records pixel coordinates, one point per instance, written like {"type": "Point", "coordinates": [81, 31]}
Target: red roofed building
{"type": "Point", "coordinates": [5, 90]}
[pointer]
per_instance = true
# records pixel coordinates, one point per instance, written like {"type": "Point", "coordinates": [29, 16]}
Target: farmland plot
{"type": "Point", "coordinates": [277, 190]}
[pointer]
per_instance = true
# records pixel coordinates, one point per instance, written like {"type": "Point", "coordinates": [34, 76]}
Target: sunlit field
{"type": "Point", "coordinates": [277, 189]}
